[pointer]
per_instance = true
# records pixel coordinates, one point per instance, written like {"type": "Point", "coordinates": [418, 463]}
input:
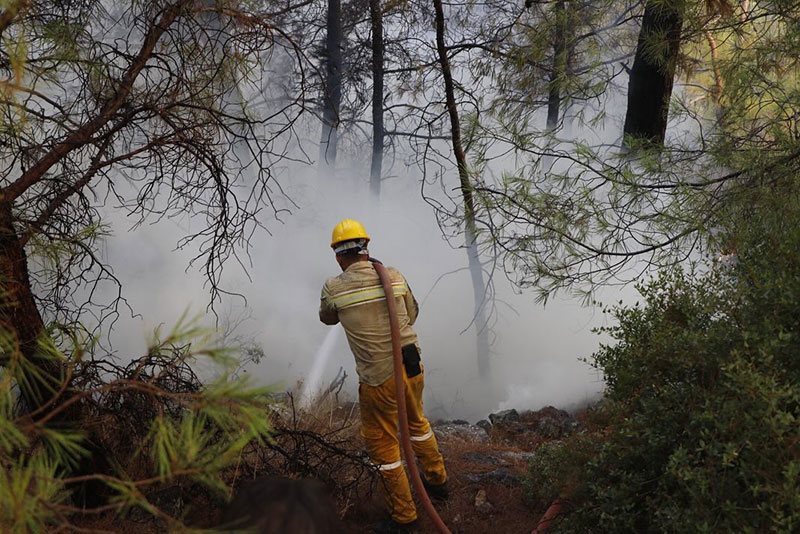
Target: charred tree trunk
{"type": "Point", "coordinates": [473, 258]}
{"type": "Point", "coordinates": [376, 17]}
{"type": "Point", "coordinates": [22, 327]}
{"type": "Point", "coordinates": [559, 68]}
{"type": "Point", "coordinates": [332, 97]}
{"type": "Point", "coordinates": [653, 72]}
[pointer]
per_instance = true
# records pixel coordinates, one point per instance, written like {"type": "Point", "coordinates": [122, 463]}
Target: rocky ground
{"type": "Point", "coordinates": [487, 462]}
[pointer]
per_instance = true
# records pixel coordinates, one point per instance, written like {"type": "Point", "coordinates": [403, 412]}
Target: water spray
{"type": "Point", "coordinates": [314, 380]}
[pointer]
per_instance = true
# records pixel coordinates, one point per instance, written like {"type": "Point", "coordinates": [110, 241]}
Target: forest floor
{"type": "Point", "coordinates": [487, 464]}
{"type": "Point", "coordinates": [486, 494]}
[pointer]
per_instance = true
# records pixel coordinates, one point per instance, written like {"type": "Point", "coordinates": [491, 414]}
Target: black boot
{"type": "Point", "coordinates": [437, 492]}
{"type": "Point", "coordinates": [390, 526]}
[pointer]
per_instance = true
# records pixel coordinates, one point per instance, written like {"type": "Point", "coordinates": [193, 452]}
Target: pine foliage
{"type": "Point", "coordinates": [141, 426]}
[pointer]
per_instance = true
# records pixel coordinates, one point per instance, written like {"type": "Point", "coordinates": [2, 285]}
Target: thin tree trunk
{"type": "Point", "coordinates": [559, 69]}
{"type": "Point", "coordinates": [333, 86]}
{"type": "Point", "coordinates": [651, 78]}
{"type": "Point", "coordinates": [475, 268]}
{"type": "Point", "coordinates": [376, 17]}
{"type": "Point", "coordinates": [716, 91]}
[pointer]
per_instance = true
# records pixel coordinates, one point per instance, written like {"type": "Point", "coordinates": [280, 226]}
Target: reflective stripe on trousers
{"type": "Point", "coordinates": [389, 467]}
{"type": "Point", "coordinates": [424, 437]}
{"type": "Point", "coordinates": [379, 430]}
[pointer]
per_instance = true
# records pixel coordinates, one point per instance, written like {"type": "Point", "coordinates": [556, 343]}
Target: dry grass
{"type": "Point", "coordinates": [320, 442]}
{"type": "Point", "coordinates": [323, 442]}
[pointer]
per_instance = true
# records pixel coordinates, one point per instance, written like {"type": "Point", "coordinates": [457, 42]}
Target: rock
{"type": "Point", "coordinates": [482, 503]}
{"type": "Point", "coordinates": [504, 416]}
{"type": "Point", "coordinates": [497, 476]}
{"type": "Point", "coordinates": [449, 431]}
{"type": "Point", "coordinates": [481, 458]}
{"type": "Point", "coordinates": [530, 428]}
{"type": "Point", "coordinates": [484, 424]}
{"type": "Point", "coordinates": [550, 422]}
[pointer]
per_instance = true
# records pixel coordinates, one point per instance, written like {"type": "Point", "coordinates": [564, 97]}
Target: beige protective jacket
{"type": "Point", "coordinates": [356, 299]}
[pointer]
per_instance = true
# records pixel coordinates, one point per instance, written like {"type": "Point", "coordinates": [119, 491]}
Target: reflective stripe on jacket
{"type": "Point", "coordinates": [356, 299]}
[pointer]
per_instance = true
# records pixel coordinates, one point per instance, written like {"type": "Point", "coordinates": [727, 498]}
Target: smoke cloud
{"type": "Point", "coordinates": [536, 351]}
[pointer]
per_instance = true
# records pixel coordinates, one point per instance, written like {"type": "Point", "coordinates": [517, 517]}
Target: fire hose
{"type": "Point", "coordinates": [400, 395]}
{"type": "Point", "coordinates": [549, 518]}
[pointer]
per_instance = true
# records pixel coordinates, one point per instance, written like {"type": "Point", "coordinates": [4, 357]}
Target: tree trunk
{"type": "Point", "coordinates": [745, 10]}
{"type": "Point", "coordinates": [473, 258]}
{"type": "Point", "coordinates": [652, 75]}
{"type": "Point", "coordinates": [22, 326]}
{"type": "Point", "coordinates": [333, 86]}
{"type": "Point", "coordinates": [376, 17]}
{"type": "Point", "coordinates": [559, 68]}
{"type": "Point", "coordinates": [20, 320]}
{"type": "Point", "coordinates": [716, 91]}
{"type": "Point", "coordinates": [479, 293]}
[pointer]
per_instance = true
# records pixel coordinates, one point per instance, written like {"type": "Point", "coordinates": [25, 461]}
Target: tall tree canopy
{"type": "Point", "coordinates": [184, 107]}
{"type": "Point", "coordinates": [155, 107]}
{"type": "Point", "coordinates": [576, 209]}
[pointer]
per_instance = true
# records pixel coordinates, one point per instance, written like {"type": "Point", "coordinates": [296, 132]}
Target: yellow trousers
{"type": "Point", "coordinates": [379, 430]}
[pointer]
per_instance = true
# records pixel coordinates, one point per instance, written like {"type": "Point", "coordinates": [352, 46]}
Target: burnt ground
{"type": "Point", "coordinates": [486, 467]}
{"type": "Point", "coordinates": [506, 511]}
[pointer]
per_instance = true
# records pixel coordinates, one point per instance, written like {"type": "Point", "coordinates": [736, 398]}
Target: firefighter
{"type": "Point", "coordinates": [356, 299]}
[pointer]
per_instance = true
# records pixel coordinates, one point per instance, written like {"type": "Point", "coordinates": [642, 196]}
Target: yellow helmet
{"type": "Point", "coordinates": [347, 230]}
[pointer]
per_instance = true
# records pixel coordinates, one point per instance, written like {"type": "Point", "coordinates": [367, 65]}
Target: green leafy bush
{"type": "Point", "coordinates": [698, 431]}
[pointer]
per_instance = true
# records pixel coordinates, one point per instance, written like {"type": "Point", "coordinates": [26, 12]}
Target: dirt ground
{"type": "Point", "coordinates": [466, 459]}
{"type": "Point", "coordinates": [508, 514]}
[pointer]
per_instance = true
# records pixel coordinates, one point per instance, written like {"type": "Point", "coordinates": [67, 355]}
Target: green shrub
{"type": "Point", "coordinates": [699, 428]}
